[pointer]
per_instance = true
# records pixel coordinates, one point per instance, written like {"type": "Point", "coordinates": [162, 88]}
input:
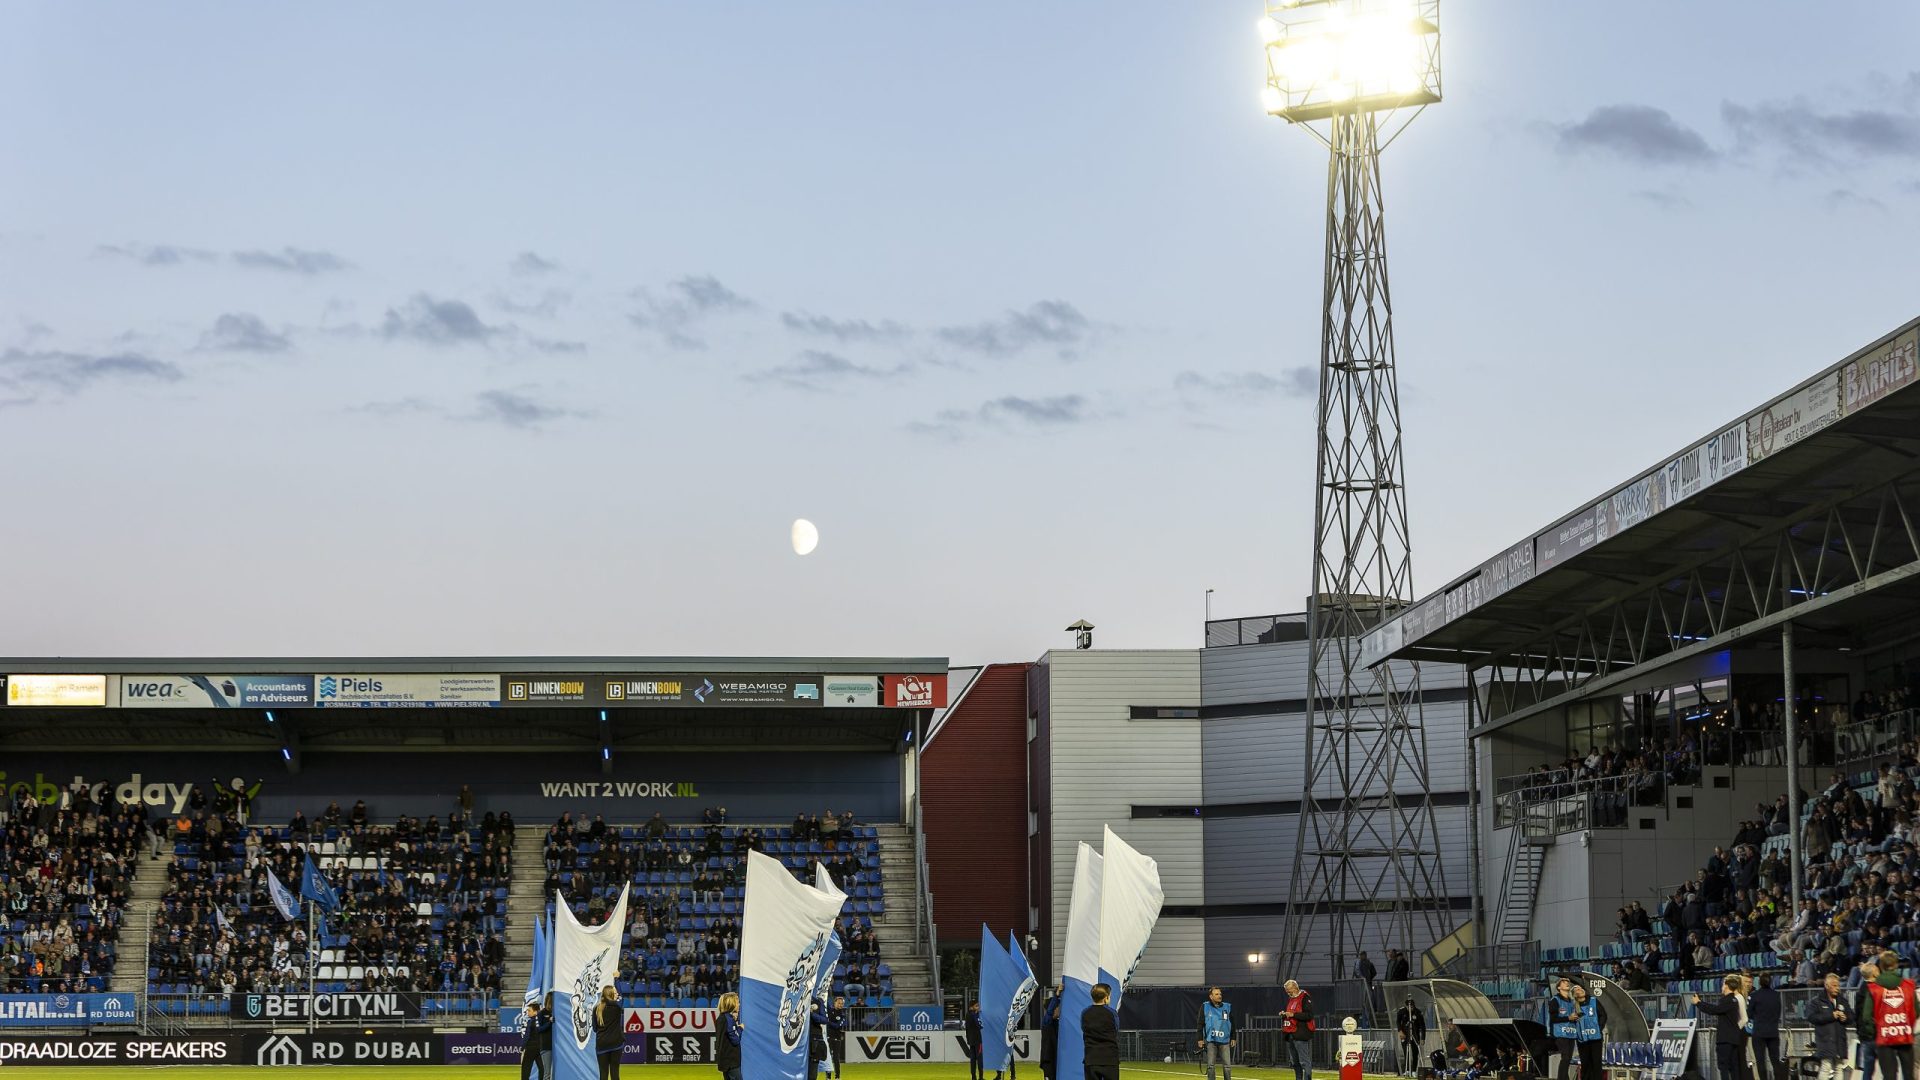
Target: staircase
{"type": "Point", "coordinates": [137, 921]}
{"type": "Point", "coordinates": [1526, 860]}
{"type": "Point", "coordinates": [524, 901]}
{"type": "Point", "coordinates": [899, 947]}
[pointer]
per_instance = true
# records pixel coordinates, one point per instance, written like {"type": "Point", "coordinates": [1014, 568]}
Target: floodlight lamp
{"type": "Point", "coordinates": [1270, 30]}
{"type": "Point", "coordinates": [1351, 56]}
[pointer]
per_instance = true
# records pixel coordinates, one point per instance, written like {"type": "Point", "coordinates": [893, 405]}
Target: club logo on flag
{"type": "Point", "coordinates": [1021, 999]}
{"type": "Point", "coordinates": [586, 995]}
{"type": "Point", "coordinates": [796, 1001]}
{"type": "Point", "coordinates": [1127, 980]}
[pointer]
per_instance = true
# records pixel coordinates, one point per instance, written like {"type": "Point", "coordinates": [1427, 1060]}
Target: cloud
{"type": "Point", "coordinates": [156, 255]}
{"type": "Point", "coordinates": [409, 406]}
{"type": "Point", "coordinates": [1845, 199]}
{"type": "Point", "coordinates": [71, 372]}
{"type": "Point", "coordinates": [1009, 413]}
{"type": "Point", "coordinates": [1049, 322]}
{"type": "Point", "coordinates": [1637, 133]}
{"type": "Point", "coordinates": [815, 370]}
{"type": "Point", "coordinates": [1667, 199]}
{"type": "Point", "coordinates": [511, 408]}
{"type": "Point", "coordinates": [437, 322]}
{"type": "Point", "coordinates": [545, 306]}
{"type": "Point", "coordinates": [689, 301]}
{"type": "Point", "coordinates": [550, 345]}
{"type": "Point", "coordinates": [842, 330]}
{"type": "Point", "coordinates": [1294, 382]}
{"type": "Point", "coordinates": [241, 332]}
{"type": "Point", "coordinates": [527, 263]}
{"type": "Point", "coordinates": [1807, 135]}
{"type": "Point", "coordinates": [292, 260]}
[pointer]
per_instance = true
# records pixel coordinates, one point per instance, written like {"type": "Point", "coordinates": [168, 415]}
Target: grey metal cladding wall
{"type": "Point", "coordinates": [1103, 763]}
{"type": "Point", "coordinates": [1254, 758]}
{"type": "Point", "coordinates": [1263, 758]}
{"type": "Point", "coordinates": [1244, 673]}
{"type": "Point", "coordinates": [1250, 859]}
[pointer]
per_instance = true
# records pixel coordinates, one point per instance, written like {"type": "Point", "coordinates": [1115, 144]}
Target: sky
{"type": "Point", "coordinates": [441, 329]}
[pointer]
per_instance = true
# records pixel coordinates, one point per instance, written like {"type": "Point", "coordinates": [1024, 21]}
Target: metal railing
{"type": "Point", "coordinates": [925, 932]}
{"type": "Point", "coordinates": [1257, 630]}
{"type": "Point", "coordinates": [1863, 740]}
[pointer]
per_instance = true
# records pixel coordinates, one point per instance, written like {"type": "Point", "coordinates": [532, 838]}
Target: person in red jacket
{"type": "Point", "coordinates": [1893, 1020]}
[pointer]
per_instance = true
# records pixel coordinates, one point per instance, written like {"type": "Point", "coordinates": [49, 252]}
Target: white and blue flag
{"type": "Point", "coordinates": [585, 961]}
{"type": "Point", "coordinates": [1080, 967]}
{"type": "Point", "coordinates": [1130, 899]}
{"type": "Point", "coordinates": [786, 930]}
{"type": "Point", "coordinates": [282, 899]}
{"type": "Point", "coordinates": [1006, 986]}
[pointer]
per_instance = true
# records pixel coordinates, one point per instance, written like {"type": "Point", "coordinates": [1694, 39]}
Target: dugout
{"type": "Point", "coordinates": [1451, 1006]}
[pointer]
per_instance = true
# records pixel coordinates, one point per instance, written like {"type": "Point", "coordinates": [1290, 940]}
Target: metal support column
{"type": "Point", "coordinates": [1793, 764]}
{"type": "Point", "coordinates": [1366, 871]}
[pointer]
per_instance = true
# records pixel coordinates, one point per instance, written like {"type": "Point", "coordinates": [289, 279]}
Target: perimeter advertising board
{"type": "Point", "coordinates": [370, 1047]}
{"type": "Point", "coordinates": [68, 1010]}
{"type": "Point", "coordinates": [57, 690]}
{"type": "Point", "coordinates": [355, 1007]}
{"type": "Point", "coordinates": [212, 691]}
{"type": "Point", "coordinates": [332, 691]}
{"type": "Point", "coordinates": [692, 690]}
{"type": "Point", "coordinates": [121, 1050]}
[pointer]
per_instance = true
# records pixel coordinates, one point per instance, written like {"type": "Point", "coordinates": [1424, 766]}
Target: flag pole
{"type": "Point", "coordinates": [310, 955]}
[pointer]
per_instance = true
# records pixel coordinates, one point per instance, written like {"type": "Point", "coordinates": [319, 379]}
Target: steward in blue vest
{"type": "Point", "coordinates": [1216, 1039]}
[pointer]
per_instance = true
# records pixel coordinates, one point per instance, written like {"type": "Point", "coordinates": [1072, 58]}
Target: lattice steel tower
{"type": "Point", "coordinates": [1366, 873]}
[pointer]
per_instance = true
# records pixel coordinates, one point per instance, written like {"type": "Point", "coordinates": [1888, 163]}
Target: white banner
{"type": "Point", "coordinates": [1130, 899]}
{"type": "Point", "coordinates": [585, 961]}
{"type": "Point", "coordinates": [784, 935]}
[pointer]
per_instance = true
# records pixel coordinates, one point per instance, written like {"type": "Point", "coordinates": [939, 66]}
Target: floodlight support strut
{"type": "Point", "coordinates": [1366, 865]}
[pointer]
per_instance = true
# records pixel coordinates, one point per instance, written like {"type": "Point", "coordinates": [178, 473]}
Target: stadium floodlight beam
{"type": "Point", "coordinates": [1366, 864]}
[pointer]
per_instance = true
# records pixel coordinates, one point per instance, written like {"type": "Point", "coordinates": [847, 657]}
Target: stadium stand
{"type": "Point", "coordinates": [683, 919]}
{"type": "Point", "coordinates": [423, 909]}
{"type": "Point", "coordinates": [63, 889]}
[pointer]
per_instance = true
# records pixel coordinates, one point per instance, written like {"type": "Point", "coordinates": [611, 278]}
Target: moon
{"type": "Point", "coordinates": [805, 537]}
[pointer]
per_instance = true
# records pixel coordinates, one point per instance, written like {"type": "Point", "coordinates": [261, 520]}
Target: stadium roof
{"type": "Point", "coordinates": [651, 704]}
{"type": "Point", "coordinates": [1799, 478]}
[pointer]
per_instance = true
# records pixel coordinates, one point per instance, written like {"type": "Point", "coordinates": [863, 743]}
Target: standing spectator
{"type": "Point", "coordinates": [976, 1061]}
{"type": "Point", "coordinates": [1100, 1037]}
{"type": "Point", "coordinates": [727, 1054]}
{"type": "Point", "coordinates": [1296, 1029]}
{"type": "Point", "coordinates": [1216, 1033]}
{"type": "Point", "coordinates": [1563, 1023]}
{"type": "Point", "coordinates": [1412, 1025]}
{"type": "Point", "coordinates": [466, 801]}
{"type": "Point", "coordinates": [1765, 1007]}
{"type": "Point", "coordinates": [1829, 1015]}
{"type": "Point", "coordinates": [1893, 1019]}
{"type": "Point", "coordinates": [1592, 1032]}
{"type": "Point", "coordinates": [1050, 1035]}
{"type": "Point", "coordinates": [1730, 1029]}
{"type": "Point", "coordinates": [1398, 969]}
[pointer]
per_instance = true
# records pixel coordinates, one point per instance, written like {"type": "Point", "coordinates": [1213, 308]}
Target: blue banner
{"type": "Point", "coordinates": [1006, 986]}
{"type": "Point", "coordinates": [314, 886]}
{"type": "Point", "coordinates": [918, 1018]}
{"type": "Point", "coordinates": [282, 899]}
{"type": "Point", "coordinates": [68, 1010]}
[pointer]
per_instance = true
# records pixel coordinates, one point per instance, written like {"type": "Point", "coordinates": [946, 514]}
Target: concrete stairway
{"type": "Point", "coordinates": [139, 921]}
{"type": "Point", "coordinates": [524, 901]}
{"type": "Point", "coordinates": [912, 979]}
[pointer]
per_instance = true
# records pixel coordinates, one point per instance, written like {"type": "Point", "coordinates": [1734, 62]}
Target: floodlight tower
{"type": "Point", "coordinates": [1366, 865]}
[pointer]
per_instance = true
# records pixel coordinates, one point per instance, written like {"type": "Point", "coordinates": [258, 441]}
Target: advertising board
{"type": "Point", "coordinates": [212, 691]}
{"type": "Point", "coordinates": [333, 691]}
{"type": "Point", "coordinates": [371, 1047]}
{"type": "Point", "coordinates": [120, 1050]}
{"type": "Point", "coordinates": [57, 690]}
{"type": "Point", "coordinates": [68, 1010]}
{"type": "Point", "coordinates": [357, 1007]}
{"type": "Point", "coordinates": [689, 690]}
